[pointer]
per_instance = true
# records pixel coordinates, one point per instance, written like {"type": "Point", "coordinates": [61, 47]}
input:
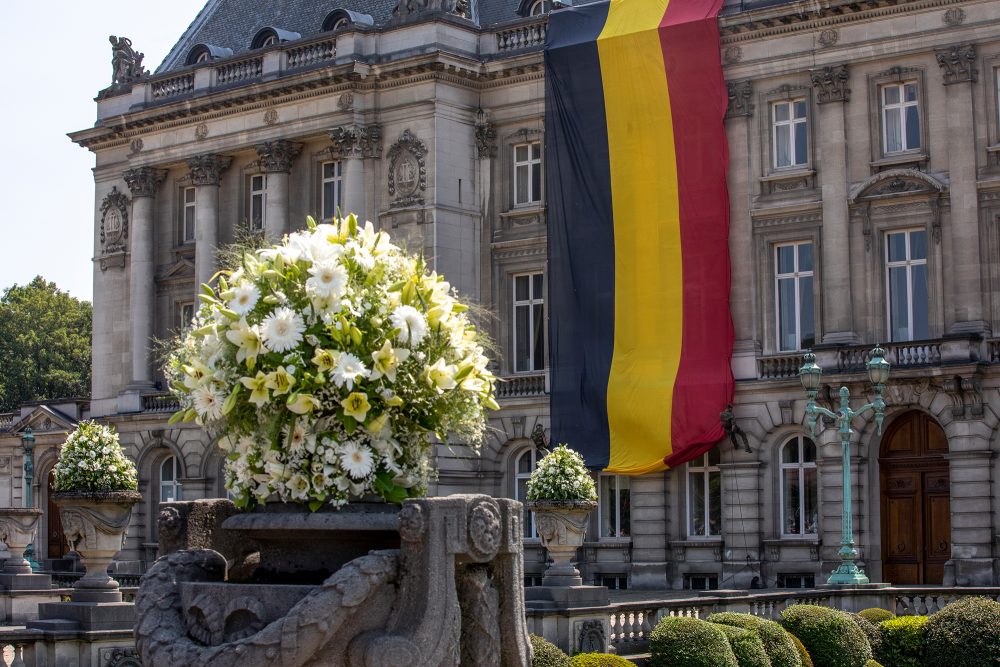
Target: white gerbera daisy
{"type": "Point", "coordinates": [282, 330]}
{"type": "Point", "coordinates": [207, 402]}
{"type": "Point", "coordinates": [411, 324]}
{"type": "Point", "coordinates": [245, 297]}
{"type": "Point", "coordinates": [299, 438]}
{"type": "Point", "coordinates": [329, 280]}
{"type": "Point", "coordinates": [356, 460]}
{"type": "Point", "coordinates": [348, 369]}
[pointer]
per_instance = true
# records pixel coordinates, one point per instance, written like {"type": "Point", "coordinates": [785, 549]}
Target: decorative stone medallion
{"type": "Point", "coordinates": [484, 530]}
{"type": "Point", "coordinates": [954, 16]}
{"type": "Point", "coordinates": [346, 101]}
{"type": "Point", "coordinates": [114, 222]}
{"type": "Point", "coordinates": [270, 117]}
{"type": "Point", "coordinates": [136, 145]}
{"type": "Point", "coordinates": [829, 37]}
{"type": "Point", "coordinates": [407, 171]}
{"type": "Point", "coordinates": [732, 54]}
{"type": "Point", "coordinates": [201, 131]}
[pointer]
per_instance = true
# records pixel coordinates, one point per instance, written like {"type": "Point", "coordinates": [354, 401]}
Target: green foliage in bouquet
{"type": "Point", "coordinates": [92, 460]}
{"type": "Point", "coordinates": [561, 475]}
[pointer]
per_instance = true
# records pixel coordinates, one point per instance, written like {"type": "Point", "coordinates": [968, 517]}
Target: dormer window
{"type": "Point", "coordinates": [203, 53]}
{"type": "Point", "coordinates": [203, 57]}
{"type": "Point", "coordinates": [539, 7]}
{"type": "Point", "coordinates": [529, 8]}
{"type": "Point", "coordinates": [267, 37]}
{"type": "Point", "coordinates": [270, 40]}
{"type": "Point", "coordinates": [341, 19]}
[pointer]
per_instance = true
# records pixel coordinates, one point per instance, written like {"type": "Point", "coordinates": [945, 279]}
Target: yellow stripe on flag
{"type": "Point", "coordinates": [648, 272]}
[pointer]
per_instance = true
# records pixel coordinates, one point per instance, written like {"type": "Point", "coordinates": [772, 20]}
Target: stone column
{"type": "Point", "coordinates": [971, 561]}
{"type": "Point", "coordinates": [741, 245]}
{"type": "Point", "coordinates": [832, 95]}
{"type": "Point", "coordinates": [353, 144]}
{"type": "Point", "coordinates": [276, 159]}
{"type": "Point", "coordinates": [206, 173]}
{"type": "Point", "coordinates": [143, 182]}
{"type": "Point", "coordinates": [741, 520]}
{"type": "Point", "coordinates": [648, 496]}
{"type": "Point", "coordinates": [958, 67]}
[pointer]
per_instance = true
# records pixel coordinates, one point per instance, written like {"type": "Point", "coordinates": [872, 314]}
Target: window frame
{"type": "Point", "coordinates": [539, 8]}
{"type": "Point", "coordinates": [530, 302]}
{"type": "Point", "coordinates": [898, 74]}
{"type": "Point", "coordinates": [528, 530]}
{"type": "Point", "coordinates": [801, 466]}
{"type": "Point", "coordinates": [791, 123]}
{"type": "Point", "coordinates": [173, 484]}
{"type": "Point", "coordinates": [185, 207]}
{"type": "Point", "coordinates": [181, 307]}
{"type": "Point", "coordinates": [253, 192]}
{"type": "Point", "coordinates": [902, 106]}
{"type": "Point", "coordinates": [533, 198]}
{"type": "Point", "coordinates": [338, 179]}
{"type": "Point", "coordinates": [796, 275]}
{"type": "Point", "coordinates": [617, 520]}
{"type": "Point", "coordinates": [908, 264]}
{"type": "Point", "coordinates": [704, 471]}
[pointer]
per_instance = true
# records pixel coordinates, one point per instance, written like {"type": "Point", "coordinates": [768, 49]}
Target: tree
{"type": "Point", "coordinates": [44, 344]}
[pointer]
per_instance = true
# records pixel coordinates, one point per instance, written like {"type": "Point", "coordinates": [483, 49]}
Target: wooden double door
{"type": "Point", "coordinates": [916, 501]}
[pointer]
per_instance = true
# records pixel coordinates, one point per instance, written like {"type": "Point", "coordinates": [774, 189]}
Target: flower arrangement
{"type": "Point", "coordinates": [325, 362]}
{"type": "Point", "coordinates": [92, 460]}
{"type": "Point", "coordinates": [561, 475]}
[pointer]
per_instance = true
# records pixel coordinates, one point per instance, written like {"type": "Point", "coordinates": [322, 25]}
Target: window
{"type": "Point", "coordinates": [331, 189]}
{"type": "Point", "coordinates": [188, 215]}
{"type": "Point", "coordinates": [539, 7]}
{"type": "Point", "coordinates": [203, 57]}
{"type": "Point", "coordinates": [796, 581]}
{"type": "Point", "coordinates": [529, 323]}
{"type": "Point", "coordinates": [523, 467]}
{"type": "Point", "coordinates": [705, 496]}
{"type": "Point", "coordinates": [789, 134]}
{"type": "Point", "coordinates": [906, 281]}
{"type": "Point", "coordinates": [701, 582]}
{"type": "Point", "coordinates": [269, 40]}
{"type": "Point", "coordinates": [341, 23]}
{"type": "Point", "coordinates": [615, 508]}
{"type": "Point", "coordinates": [900, 117]}
{"type": "Point", "coordinates": [793, 287]}
{"type": "Point", "coordinates": [258, 202]}
{"type": "Point", "coordinates": [527, 173]}
{"type": "Point", "coordinates": [185, 313]}
{"type": "Point", "coordinates": [799, 488]}
{"type": "Point", "coordinates": [614, 582]}
{"type": "Point", "coordinates": [170, 474]}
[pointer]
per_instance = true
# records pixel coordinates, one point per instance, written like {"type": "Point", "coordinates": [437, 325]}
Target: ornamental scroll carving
{"type": "Point", "coordinates": [831, 83]}
{"type": "Point", "coordinates": [958, 63]}
{"type": "Point", "coordinates": [740, 95]}
{"type": "Point", "coordinates": [407, 171]}
{"type": "Point", "coordinates": [114, 222]}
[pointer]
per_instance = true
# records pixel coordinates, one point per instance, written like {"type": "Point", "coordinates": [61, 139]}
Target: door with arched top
{"type": "Point", "coordinates": [916, 502]}
{"type": "Point", "coordinates": [57, 547]}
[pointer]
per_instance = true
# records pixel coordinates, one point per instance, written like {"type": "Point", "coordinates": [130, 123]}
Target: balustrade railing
{"type": "Point", "coordinates": [519, 386]}
{"type": "Point", "coordinates": [779, 366]}
{"type": "Point", "coordinates": [17, 647]}
{"type": "Point", "coordinates": [176, 85]}
{"type": "Point", "coordinates": [900, 355]}
{"type": "Point", "coordinates": [160, 403]}
{"type": "Point", "coordinates": [241, 70]}
{"type": "Point", "coordinates": [522, 36]}
{"type": "Point", "coordinates": [6, 420]}
{"type": "Point", "coordinates": [310, 54]}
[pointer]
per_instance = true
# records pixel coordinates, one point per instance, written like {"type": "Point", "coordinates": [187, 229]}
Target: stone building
{"type": "Point", "coordinates": [864, 143]}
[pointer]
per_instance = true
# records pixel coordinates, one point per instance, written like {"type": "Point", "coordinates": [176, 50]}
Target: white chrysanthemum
{"type": "Point", "coordinates": [207, 402]}
{"type": "Point", "coordinates": [356, 460]}
{"type": "Point", "coordinates": [245, 297]}
{"type": "Point", "coordinates": [329, 280]}
{"type": "Point", "coordinates": [348, 369]}
{"type": "Point", "coordinates": [411, 324]}
{"type": "Point", "coordinates": [282, 330]}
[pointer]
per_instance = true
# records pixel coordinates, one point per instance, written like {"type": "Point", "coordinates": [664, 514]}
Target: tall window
{"type": "Point", "coordinates": [789, 132]}
{"type": "Point", "coordinates": [529, 323]}
{"type": "Point", "coordinates": [332, 188]}
{"type": "Point", "coordinates": [793, 286]}
{"type": "Point", "coordinates": [705, 496]}
{"type": "Point", "coordinates": [906, 280]}
{"type": "Point", "coordinates": [187, 218]}
{"type": "Point", "coordinates": [258, 202]}
{"type": "Point", "coordinates": [523, 467]}
{"type": "Point", "coordinates": [615, 511]}
{"type": "Point", "coordinates": [527, 173]}
{"type": "Point", "coordinates": [799, 488]}
{"type": "Point", "coordinates": [170, 474]}
{"type": "Point", "coordinates": [900, 117]}
{"type": "Point", "coordinates": [185, 313]}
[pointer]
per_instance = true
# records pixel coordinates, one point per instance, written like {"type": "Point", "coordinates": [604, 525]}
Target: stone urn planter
{"type": "Point", "coordinates": [562, 526]}
{"type": "Point", "coordinates": [94, 524]}
{"type": "Point", "coordinates": [17, 530]}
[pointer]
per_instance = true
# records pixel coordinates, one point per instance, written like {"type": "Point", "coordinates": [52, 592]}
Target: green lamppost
{"type": "Point", "coordinates": [28, 443]}
{"type": "Point", "coordinates": [810, 374]}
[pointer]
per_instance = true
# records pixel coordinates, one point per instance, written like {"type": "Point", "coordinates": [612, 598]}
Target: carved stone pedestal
{"type": "Point", "coordinates": [562, 526]}
{"type": "Point", "coordinates": [17, 530]}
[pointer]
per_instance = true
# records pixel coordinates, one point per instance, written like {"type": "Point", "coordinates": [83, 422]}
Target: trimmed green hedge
{"type": "Point", "coordinates": [871, 630]}
{"type": "Point", "coordinates": [547, 654]}
{"type": "Point", "coordinates": [965, 634]}
{"type": "Point", "coordinates": [831, 636]}
{"type": "Point", "coordinates": [876, 614]}
{"type": "Point", "coordinates": [904, 641]}
{"type": "Point", "coordinates": [746, 645]}
{"type": "Point", "coordinates": [873, 663]}
{"type": "Point", "coordinates": [599, 660]}
{"type": "Point", "coordinates": [803, 651]}
{"type": "Point", "coordinates": [677, 641]}
{"type": "Point", "coordinates": [778, 643]}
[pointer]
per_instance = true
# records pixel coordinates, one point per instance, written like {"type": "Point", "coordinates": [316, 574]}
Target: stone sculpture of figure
{"type": "Point", "coordinates": [126, 62]}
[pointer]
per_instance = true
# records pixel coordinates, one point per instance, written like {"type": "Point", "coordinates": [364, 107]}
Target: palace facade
{"type": "Point", "coordinates": [864, 179]}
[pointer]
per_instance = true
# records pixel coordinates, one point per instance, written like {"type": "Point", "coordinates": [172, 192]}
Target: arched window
{"type": "Point", "coordinates": [203, 57]}
{"type": "Point", "coordinates": [203, 53]}
{"type": "Point", "coordinates": [524, 465]}
{"type": "Point", "coordinates": [539, 7]}
{"type": "Point", "coordinates": [170, 475]}
{"type": "Point", "coordinates": [270, 40]}
{"type": "Point", "coordinates": [705, 495]}
{"type": "Point", "coordinates": [799, 488]}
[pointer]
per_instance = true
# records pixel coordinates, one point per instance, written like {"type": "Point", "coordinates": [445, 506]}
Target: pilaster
{"type": "Point", "coordinates": [275, 159]}
{"type": "Point", "coordinates": [206, 174]}
{"type": "Point", "coordinates": [741, 520]}
{"type": "Point", "coordinates": [353, 144]}
{"type": "Point", "coordinates": [972, 507]}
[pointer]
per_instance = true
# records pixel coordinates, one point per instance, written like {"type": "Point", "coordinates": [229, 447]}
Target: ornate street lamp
{"type": "Point", "coordinates": [810, 375]}
{"type": "Point", "coordinates": [28, 443]}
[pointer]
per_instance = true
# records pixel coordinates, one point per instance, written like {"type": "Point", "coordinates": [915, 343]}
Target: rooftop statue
{"type": "Point", "coordinates": [126, 62]}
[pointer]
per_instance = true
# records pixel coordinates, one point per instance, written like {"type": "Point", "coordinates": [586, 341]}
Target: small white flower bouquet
{"type": "Point", "coordinates": [325, 363]}
{"type": "Point", "coordinates": [92, 460]}
{"type": "Point", "coordinates": [561, 475]}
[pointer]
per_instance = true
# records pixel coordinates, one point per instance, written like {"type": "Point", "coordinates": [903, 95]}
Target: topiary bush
{"type": "Point", "coordinates": [778, 643]}
{"type": "Point", "coordinates": [872, 631]}
{"type": "Point", "coordinates": [688, 642]}
{"type": "Point", "coordinates": [747, 646]}
{"type": "Point", "coordinates": [904, 641]}
{"type": "Point", "coordinates": [873, 663]}
{"type": "Point", "coordinates": [803, 652]}
{"type": "Point", "coordinates": [876, 614]}
{"type": "Point", "coordinates": [547, 654]}
{"type": "Point", "coordinates": [599, 660]}
{"type": "Point", "coordinates": [965, 634]}
{"type": "Point", "coordinates": [831, 636]}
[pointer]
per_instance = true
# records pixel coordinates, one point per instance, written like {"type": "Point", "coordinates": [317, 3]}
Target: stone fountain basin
{"type": "Point", "coordinates": [302, 547]}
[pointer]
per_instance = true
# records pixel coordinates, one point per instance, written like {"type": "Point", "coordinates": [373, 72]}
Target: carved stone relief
{"type": "Point", "coordinates": [958, 63]}
{"type": "Point", "coordinates": [740, 96]}
{"type": "Point", "coordinates": [829, 37]}
{"type": "Point", "coordinates": [486, 140]}
{"type": "Point", "coordinates": [144, 181]}
{"type": "Point", "coordinates": [732, 54]}
{"type": "Point", "coordinates": [954, 16]}
{"type": "Point", "coordinates": [277, 156]}
{"type": "Point", "coordinates": [207, 169]}
{"type": "Point", "coordinates": [407, 171]}
{"type": "Point", "coordinates": [591, 637]}
{"type": "Point", "coordinates": [407, 10]}
{"type": "Point", "coordinates": [356, 141]}
{"type": "Point", "coordinates": [270, 117]}
{"type": "Point", "coordinates": [346, 101]}
{"type": "Point", "coordinates": [119, 657]}
{"type": "Point", "coordinates": [201, 131]}
{"type": "Point", "coordinates": [114, 222]}
{"type": "Point", "coordinates": [830, 83]}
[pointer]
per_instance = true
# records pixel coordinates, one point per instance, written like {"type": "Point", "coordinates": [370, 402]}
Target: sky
{"type": "Point", "coordinates": [58, 58]}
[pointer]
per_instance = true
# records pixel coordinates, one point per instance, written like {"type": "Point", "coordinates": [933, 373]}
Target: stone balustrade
{"type": "Point", "coordinates": [160, 403]}
{"type": "Point", "coordinates": [310, 54]}
{"type": "Point", "coordinates": [779, 366]}
{"type": "Point", "coordinates": [522, 386]}
{"type": "Point", "coordinates": [522, 36]}
{"type": "Point", "coordinates": [245, 70]}
{"type": "Point", "coordinates": [172, 86]}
